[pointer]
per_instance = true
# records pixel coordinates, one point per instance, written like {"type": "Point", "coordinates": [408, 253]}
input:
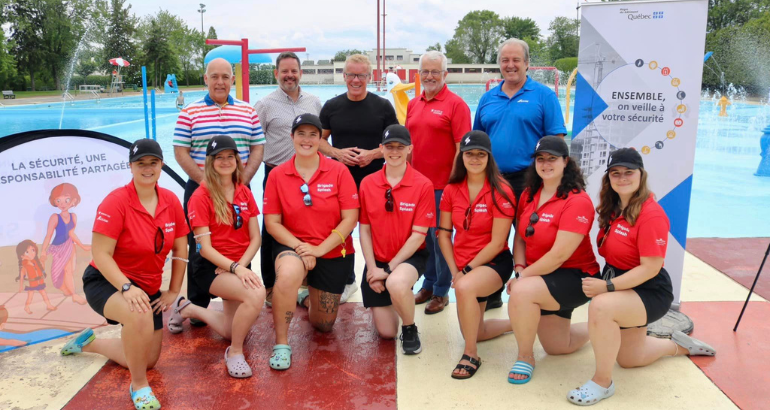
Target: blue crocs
{"type": "Point", "coordinates": [522, 368]}
{"type": "Point", "coordinates": [281, 358]}
{"type": "Point", "coordinates": [144, 399]}
{"type": "Point", "coordinates": [75, 345]}
{"type": "Point", "coordinates": [590, 393]}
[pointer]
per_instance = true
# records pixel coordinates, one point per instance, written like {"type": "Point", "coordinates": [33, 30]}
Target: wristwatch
{"type": "Point", "coordinates": [387, 269]}
{"type": "Point", "coordinates": [610, 286]}
{"type": "Point", "coordinates": [125, 287]}
{"type": "Point", "coordinates": [467, 269]}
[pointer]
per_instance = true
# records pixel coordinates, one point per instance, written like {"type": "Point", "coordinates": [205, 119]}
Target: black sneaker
{"type": "Point", "coordinates": [410, 340]}
{"type": "Point", "coordinates": [494, 301]}
{"type": "Point", "coordinates": [197, 323]}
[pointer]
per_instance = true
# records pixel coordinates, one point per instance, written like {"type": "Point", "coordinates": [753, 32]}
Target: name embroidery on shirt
{"type": "Point", "coordinates": [406, 207]}
{"type": "Point", "coordinates": [437, 112]}
{"type": "Point", "coordinates": [324, 187]}
{"type": "Point", "coordinates": [622, 230]}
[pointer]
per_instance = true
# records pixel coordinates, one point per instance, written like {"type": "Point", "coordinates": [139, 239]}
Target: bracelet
{"type": "Point", "coordinates": [179, 259]}
{"type": "Point", "coordinates": [517, 265]}
{"type": "Point", "coordinates": [343, 251]}
{"type": "Point", "coordinates": [233, 266]}
{"type": "Point", "coordinates": [201, 234]}
{"type": "Point", "coordinates": [418, 232]}
{"type": "Point", "coordinates": [441, 228]}
{"type": "Point", "coordinates": [387, 269]}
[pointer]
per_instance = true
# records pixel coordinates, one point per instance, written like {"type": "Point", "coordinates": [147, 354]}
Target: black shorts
{"type": "Point", "coordinates": [329, 275]}
{"type": "Point", "coordinates": [373, 299]}
{"type": "Point", "coordinates": [566, 286]}
{"type": "Point", "coordinates": [656, 294]}
{"type": "Point", "coordinates": [98, 290]}
{"type": "Point", "coordinates": [204, 273]}
{"type": "Point", "coordinates": [503, 265]}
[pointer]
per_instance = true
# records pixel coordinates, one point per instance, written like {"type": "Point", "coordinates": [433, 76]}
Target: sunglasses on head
{"type": "Point", "coordinates": [237, 219]}
{"type": "Point", "coordinates": [532, 221]}
{"type": "Point", "coordinates": [389, 200]}
{"type": "Point", "coordinates": [160, 240]}
{"type": "Point", "coordinates": [306, 199]}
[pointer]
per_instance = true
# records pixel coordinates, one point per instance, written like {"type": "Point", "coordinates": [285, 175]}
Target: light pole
{"type": "Point", "coordinates": [201, 11]}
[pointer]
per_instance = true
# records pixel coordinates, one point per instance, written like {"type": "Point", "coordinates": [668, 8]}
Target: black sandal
{"type": "Point", "coordinates": [471, 370]}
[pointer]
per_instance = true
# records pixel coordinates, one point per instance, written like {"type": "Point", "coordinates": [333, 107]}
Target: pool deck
{"type": "Point", "coordinates": [351, 368]}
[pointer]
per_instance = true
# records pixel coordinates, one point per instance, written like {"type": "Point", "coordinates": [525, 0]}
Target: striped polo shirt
{"type": "Point", "coordinates": [277, 112]}
{"type": "Point", "coordinates": [203, 119]}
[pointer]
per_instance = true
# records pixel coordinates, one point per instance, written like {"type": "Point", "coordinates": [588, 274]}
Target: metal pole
{"type": "Point", "coordinates": [154, 118]}
{"type": "Point", "coordinates": [144, 91]}
{"type": "Point", "coordinates": [752, 288]}
{"type": "Point", "coordinates": [245, 69]}
{"type": "Point", "coordinates": [384, 50]}
{"type": "Point", "coordinates": [378, 46]}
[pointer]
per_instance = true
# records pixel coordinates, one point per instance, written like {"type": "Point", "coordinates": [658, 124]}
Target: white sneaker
{"type": "Point", "coordinates": [348, 292]}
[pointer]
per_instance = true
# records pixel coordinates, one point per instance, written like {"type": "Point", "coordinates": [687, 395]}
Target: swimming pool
{"type": "Point", "coordinates": [727, 199]}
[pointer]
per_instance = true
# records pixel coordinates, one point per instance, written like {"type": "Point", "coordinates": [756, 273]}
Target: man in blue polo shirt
{"type": "Point", "coordinates": [515, 115]}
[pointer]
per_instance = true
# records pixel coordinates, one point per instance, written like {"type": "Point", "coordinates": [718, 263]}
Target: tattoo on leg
{"type": "Point", "coordinates": [329, 302]}
{"type": "Point", "coordinates": [325, 325]}
{"type": "Point", "coordinates": [294, 254]}
{"type": "Point", "coordinates": [289, 316]}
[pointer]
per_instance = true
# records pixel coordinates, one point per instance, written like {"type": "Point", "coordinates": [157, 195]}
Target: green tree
{"type": "Point", "coordinates": [456, 52]}
{"type": "Point", "coordinates": [118, 39]}
{"type": "Point", "coordinates": [190, 50]}
{"type": "Point", "coordinates": [435, 47]}
{"type": "Point", "coordinates": [26, 27]}
{"type": "Point", "coordinates": [343, 55]}
{"type": "Point", "coordinates": [521, 28]}
{"type": "Point", "coordinates": [62, 30]}
{"type": "Point", "coordinates": [86, 65]}
{"type": "Point", "coordinates": [478, 35]}
{"type": "Point", "coordinates": [563, 40]}
{"type": "Point", "coordinates": [158, 55]}
{"type": "Point", "coordinates": [731, 13]}
{"type": "Point", "coordinates": [7, 64]}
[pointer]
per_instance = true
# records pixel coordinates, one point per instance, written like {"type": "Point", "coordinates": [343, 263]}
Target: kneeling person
{"type": "Point", "coordinates": [397, 208]}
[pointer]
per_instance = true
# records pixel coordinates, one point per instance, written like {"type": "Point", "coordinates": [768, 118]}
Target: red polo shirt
{"type": "Point", "coordinates": [122, 217]}
{"type": "Point", "coordinates": [332, 190]}
{"type": "Point", "coordinates": [626, 245]}
{"type": "Point", "coordinates": [456, 199]}
{"type": "Point", "coordinates": [572, 214]}
{"type": "Point", "coordinates": [227, 240]}
{"type": "Point", "coordinates": [436, 126]}
{"type": "Point", "coordinates": [413, 205]}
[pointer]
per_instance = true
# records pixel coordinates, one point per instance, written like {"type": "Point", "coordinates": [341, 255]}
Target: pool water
{"type": "Point", "coordinates": [727, 199]}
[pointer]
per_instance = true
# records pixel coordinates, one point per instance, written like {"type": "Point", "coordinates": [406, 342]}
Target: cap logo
{"type": "Point", "coordinates": [610, 159]}
{"type": "Point", "coordinates": [213, 144]}
{"type": "Point", "coordinates": [299, 119]}
{"type": "Point", "coordinates": [537, 146]}
{"type": "Point", "coordinates": [135, 149]}
{"type": "Point", "coordinates": [467, 140]}
{"type": "Point", "coordinates": [386, 133]}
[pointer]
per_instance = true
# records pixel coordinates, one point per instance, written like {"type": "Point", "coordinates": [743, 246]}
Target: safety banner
{"type": "Point", "coordinates": [638, 85]}
{"type": "Point", "coordinates": [51, 183]}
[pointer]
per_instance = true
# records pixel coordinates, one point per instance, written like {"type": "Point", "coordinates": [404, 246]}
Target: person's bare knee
{"type": "Point", "coordinates": [628, 361]}
{"type": "Point", "coordinates": [600, 309]}
{"type": "Point", "coordinates": [523, 291]}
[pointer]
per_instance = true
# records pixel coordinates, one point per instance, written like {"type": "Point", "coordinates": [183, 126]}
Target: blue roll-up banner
{"type": "Point", "coordinates": [52, 181]}
{"type": "Point", "coordinates": [640, 66]}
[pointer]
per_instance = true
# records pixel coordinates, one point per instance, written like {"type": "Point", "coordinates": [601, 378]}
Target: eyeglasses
{"type": "Point", "coordinates": [351, 76]}
{"type": "Point", "coordinates": [389, 198]}
{"type": "Point", "coordinates": [160, 240]}
{"type": "Point", "coordinates": [238, 219]}
{"type": "Point", "coordinates": [306, 199]}
{"type": "Point", "coordinates": [530, 228]}
{"type": "Point", "coordinates": [434, 73]}
{"type": "Point", "coordinates": [468, 218]}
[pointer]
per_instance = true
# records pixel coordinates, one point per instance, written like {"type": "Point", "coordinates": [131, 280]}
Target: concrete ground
{"type": "Point", "coordinates": [351, 368]}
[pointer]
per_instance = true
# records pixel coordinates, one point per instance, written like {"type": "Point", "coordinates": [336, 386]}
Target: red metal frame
{"type": "Point", "coordinates": [244, 44]}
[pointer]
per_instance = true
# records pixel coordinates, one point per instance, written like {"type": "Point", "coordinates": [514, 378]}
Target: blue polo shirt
{"type": "Point", "coordinates": [516, 124]}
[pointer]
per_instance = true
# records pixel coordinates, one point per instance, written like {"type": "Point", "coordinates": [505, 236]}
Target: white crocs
{"type": "Point", "coordinates": [590, 394]}
{"type": "Point", "coordinates": [693, 345]}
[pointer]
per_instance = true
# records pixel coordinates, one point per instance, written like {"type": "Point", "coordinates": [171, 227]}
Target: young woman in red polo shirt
{"type": "Point", "coordinates": [634, 289]}
{"type": "Point", "coordinates": [553, 255]}
{"type": "Point", "coordinates": [223, 215]}
{"type": "Point", "coordinates": [135, 228]}
{"type": "Point", "coordinates": [480, 206]}
{"type": "Point", "coordinates": [397, 208]}
{"type": "Point", "coordinates": [311, 207]}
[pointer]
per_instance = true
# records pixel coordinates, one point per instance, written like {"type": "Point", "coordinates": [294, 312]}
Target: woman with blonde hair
{"type": "Point", "coordinates": [223, 215]}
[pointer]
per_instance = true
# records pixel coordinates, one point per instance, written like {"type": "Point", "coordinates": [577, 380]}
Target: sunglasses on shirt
{"type": "Point", "coordinates": [160, 240]}
{"type": "Point", "coordinates": [468, 218]}
{"type": "Point", "coordinates": [237, 219]}
{"type": "Point", "coordinates": [389, 200]}
{"type": "Point", "coordinates": [606, 234]}
{"type": "Point", "coordinates": [306, 199]}
{"type": "Point", "coordinates": [530, 228]}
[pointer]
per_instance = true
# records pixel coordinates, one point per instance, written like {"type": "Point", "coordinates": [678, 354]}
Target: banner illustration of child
{"type": "Point", "coordinates": [31, 269]}
{"type": "Point", "coordinates": [62, 249]}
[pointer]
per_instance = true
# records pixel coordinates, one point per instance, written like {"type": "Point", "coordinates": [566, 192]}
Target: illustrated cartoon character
{"type": "Point", "coordinates": [62, 249]}
{"type": "Point", "coordinates": [3, 319]}
{"type": "Point", "coordinates": [31, 269]}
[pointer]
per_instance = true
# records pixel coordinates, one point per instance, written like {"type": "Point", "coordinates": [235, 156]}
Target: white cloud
{"type": "Point", "coordinates": [324, 27]}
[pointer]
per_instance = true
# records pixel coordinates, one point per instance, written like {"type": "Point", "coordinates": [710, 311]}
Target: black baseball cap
{"type": "Point", "coordinates": [144, 147]}
{"type": "Point", "coordinates": [396, 133]}
{"type": "Point", "coordinates": [308, 119]}
{"type": "Point", "coordinates": [219, 143]}
{"type": "Point", "coordinates": [625, 157]}
{"type": "Point", "coordinates": [476, 140]}
{"type": "Point", "coordinates": [553, 145]}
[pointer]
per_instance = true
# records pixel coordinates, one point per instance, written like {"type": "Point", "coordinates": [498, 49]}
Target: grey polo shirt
{"type": "Point", "coordinates": [276, 113]}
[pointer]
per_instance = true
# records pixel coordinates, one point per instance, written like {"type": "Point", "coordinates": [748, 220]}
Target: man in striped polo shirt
{"type": "Point", "coordinates": [277, 112]}
{"type": "Point", "coordinates": [217, 113]}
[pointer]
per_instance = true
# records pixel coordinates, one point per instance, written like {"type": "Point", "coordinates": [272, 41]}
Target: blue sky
{"type": "Point", "coordinates": [327, 26]}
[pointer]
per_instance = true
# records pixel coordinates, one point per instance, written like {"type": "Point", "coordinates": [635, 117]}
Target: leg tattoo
{"type": "Point", "coordinates": [289, 316]}
{"type": "Point", "coordinates": [329, 302]}
{"type": "Point", "coordinates": [289, 253]}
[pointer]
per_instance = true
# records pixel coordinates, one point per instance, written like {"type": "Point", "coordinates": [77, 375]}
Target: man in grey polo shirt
{"type": "Point", "coordinates": [276, 112]}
